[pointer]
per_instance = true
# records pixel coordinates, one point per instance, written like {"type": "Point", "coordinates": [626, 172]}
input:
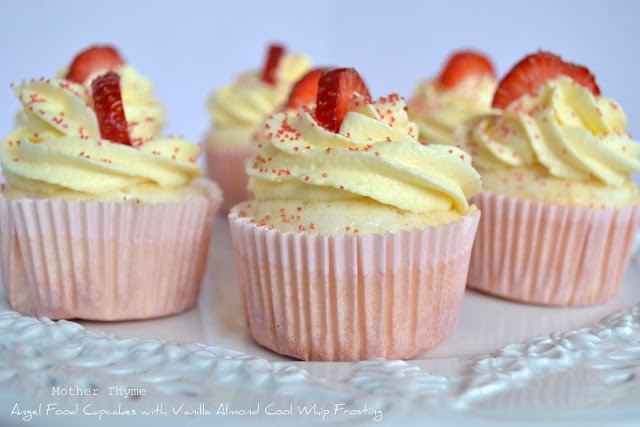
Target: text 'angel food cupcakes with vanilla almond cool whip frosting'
{"type": "Point", "coordinates": [357, 245]}
{"type": "Point", "coordinates": [102, 218]}
{"type": "Point", "coordinates": [560, 210]}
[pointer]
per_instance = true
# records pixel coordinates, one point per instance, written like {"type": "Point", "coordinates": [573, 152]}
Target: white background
{"type": "Point", "coordinates": [189, 47]}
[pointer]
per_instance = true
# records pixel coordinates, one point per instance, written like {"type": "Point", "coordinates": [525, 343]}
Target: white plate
{"type": "Point", "coordinates": [582, 367]}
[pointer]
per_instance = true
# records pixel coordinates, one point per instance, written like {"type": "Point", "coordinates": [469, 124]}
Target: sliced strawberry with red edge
{"type": "Point", "coordinates": [336, 88]}
{"type": "Point", "coordinates": [107, 103]}
{"type": "Point", "coordinates": [464, 64]}
{"type": "Point", "coordinates": [92, 60]}
{"type": "Point", "coordinates": [526, 77]}
{"type": "Point", "coordinates": [270, 69]}
{"type": "Point", "coordinates": [304, 91]}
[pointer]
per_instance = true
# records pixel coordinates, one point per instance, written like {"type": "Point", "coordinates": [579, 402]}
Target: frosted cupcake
{"type": "Point", "coordinates": [101, 219]}
{"type": "Point", "coordinates": [464, 88]}
{"type": "Point", "coordinates": [237, 111]}
{"type": "Point", "coordinates": [560, 210]}
{"type": "Point", "coordinates": [357, 245]}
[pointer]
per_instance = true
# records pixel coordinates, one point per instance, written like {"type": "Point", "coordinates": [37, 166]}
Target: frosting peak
{"type": "Point", "coordinates": [58, 149]}
{"type": "Point", "coordinates": [375, 155]}
{"type": "Point", "coordinates": [249, 100]}
{"type": "Point", "coordinates": [438, 110]}
{"type": "Point", "coordinates": [145, 114]}
{"type": "Point", "coordinates": [564, 129]}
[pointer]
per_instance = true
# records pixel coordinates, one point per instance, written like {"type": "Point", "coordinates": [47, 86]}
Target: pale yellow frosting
{"type": "Point", "coordinates": [58, 153]}
{"type": "Point", "coordinates": [370, 177]}
{"type": "Point", "coordinates": [145, 115]}
{"type": "Point", "coordinates": [534, 183]}
{"type": "Point", "coordinates": [438, 110]}
{"type": "Point", "coordinates": [565, 144]}
{"type": "Point", "coordinates": [244, 105]}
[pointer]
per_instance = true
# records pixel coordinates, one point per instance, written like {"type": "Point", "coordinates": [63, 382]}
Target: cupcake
{"type": "Point", "coordinates": [237, 111]}
{"type": "Point", "coordinates": [358, 241]}
{"type": "Point", "coordinates": [560, 210]}
{"type": "Point", "coordinates": [101, 218]}
{"type": "Point", "coordinates": [464, 88]}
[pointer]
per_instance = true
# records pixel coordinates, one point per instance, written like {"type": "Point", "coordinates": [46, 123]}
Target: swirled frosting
{"type": "Point", "coordinates": [58, 153]}
{"type": "Point", "coordinates": [562, 145]}
{"type": "Point", "coordinates": [438, 110]}
{"type": "Point", "coordinates": [371, 176]}
{"type": "Point", "coordinates": [238, 109]}
{"type": "Point", "coordinates": [145, 114]}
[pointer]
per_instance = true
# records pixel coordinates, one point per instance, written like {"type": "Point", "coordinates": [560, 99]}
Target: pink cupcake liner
{"type": "Point", "coordinates": [549, 254]}
{"type": "Point", "coordinates": [226, 165]}
{"type": "Point", "coordinates": [106, 261]}
{"type": "Point", "coordinates": [348, 298]}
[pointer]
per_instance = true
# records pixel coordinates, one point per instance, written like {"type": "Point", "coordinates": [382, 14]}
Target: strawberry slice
{"type": "Point", "coordinates": [275, 54]}
{"type": "Point", "coordinates": [304, 91]}
{"type": "Point", "coordinates": [464, 64]}
{"type": "Point", "coordinates": [91, 60]}
{"type": "Point", "coordinates": [107, 103]}
{"type": "Point", "coordinates": [336, 87]}
{"type": "Point", "coordinates": [533, 71]}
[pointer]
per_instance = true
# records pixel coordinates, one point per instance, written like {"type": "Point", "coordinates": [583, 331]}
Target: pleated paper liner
{"type": "Point", "coordinates": [549, 254]}
{"type": "Point", "coordinates": [348, 298]}
{"type": "Point", "coordinates": [227, 166]}
{"type": "Point", "coordinates": [106, 261]}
